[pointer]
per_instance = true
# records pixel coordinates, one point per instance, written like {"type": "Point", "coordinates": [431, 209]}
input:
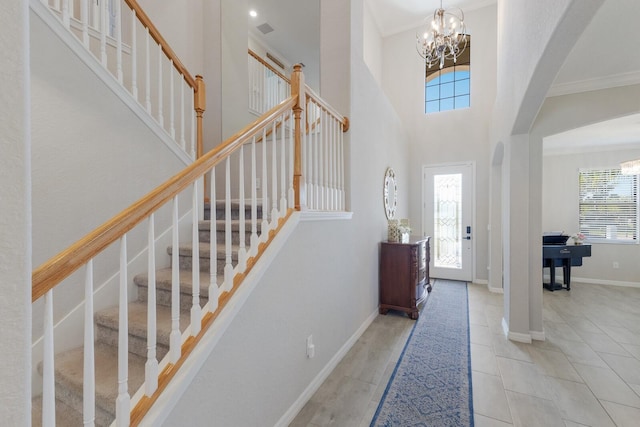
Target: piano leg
{"type": "Point", "coordinates": [552, 285]}
{"type": "Point", "coordinates": [567, 275]}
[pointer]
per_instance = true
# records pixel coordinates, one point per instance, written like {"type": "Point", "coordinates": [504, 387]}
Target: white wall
{"type": "Point", "coordinates": [182, 28]}
{"type": "Point", "coordinates": [372, 43]}
{"type": "Point", "coordinates": [325, 281]}
{"type": "Point", "coordinates": [195, 35]}
{"type": "Point", "coordinates": [450, 136]}
{"type": "Point", "coordinates": [15, 220]}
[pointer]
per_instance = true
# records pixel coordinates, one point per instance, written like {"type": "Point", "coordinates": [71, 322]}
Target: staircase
{"type": "Point", "coordinates": [68, 365]}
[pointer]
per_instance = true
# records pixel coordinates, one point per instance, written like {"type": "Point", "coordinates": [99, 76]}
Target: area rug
{"type": "Point", "coordinates": [431, 383]}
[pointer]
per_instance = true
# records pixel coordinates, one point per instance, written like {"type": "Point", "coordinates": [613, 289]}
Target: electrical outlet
{"type": "Point", "coordinates": [616, 264]}
{"type": "Point", "coordinates": [311, 349]}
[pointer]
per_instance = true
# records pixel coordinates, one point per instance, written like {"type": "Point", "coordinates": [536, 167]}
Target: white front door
{"type": "Point", "coordinates": [447, 218]}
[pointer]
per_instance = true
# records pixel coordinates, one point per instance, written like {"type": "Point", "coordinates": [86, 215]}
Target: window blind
{"type": "Point", "coordinates": [608, 205]}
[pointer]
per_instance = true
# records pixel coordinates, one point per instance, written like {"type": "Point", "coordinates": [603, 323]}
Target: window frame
{"type": "Point", "coordinates": [462, 64]}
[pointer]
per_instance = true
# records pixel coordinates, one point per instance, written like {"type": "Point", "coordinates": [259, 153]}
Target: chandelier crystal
{"type": "Point", "coordinates": [445, 38]}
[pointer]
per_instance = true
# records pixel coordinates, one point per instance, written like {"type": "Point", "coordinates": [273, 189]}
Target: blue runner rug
{"type": "Point", "coordinates": [431, 384]}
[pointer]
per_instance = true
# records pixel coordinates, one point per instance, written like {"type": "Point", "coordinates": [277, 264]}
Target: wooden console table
{"type": "Point", "coordinates": [404, 275]}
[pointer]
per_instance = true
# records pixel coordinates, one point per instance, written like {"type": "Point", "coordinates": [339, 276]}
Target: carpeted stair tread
{"type": "Point", "coordinates": [69, 369]}
{"type": "Point", "coordinates": [164, 278]}
{"type": "Point", "coordinates": [204, 248]}
{"type": "Point", "coordinates": [205, 225]}
{"type": "Point", "coordinates": [66, 416]}
{"type": "Point", "coordinates": [138, 321]}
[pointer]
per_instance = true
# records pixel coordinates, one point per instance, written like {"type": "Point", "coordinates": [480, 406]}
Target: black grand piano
{"type": "Point", "coordinates": [556, 253]}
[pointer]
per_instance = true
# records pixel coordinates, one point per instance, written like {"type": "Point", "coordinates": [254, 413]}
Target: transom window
{"type": "Point", "coordinates": [609, 205]}
{"type": "Point", "coordinates": [449, 88]}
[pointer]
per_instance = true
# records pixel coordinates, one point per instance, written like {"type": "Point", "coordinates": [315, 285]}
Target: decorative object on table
{"type": "Point", "coordinates": [393, 230]}
{"type": "Point", "coordinates": [445, 37]}
{"type": "Point", "coordinates": [578, 238]}
{"type": "Point", "coordinates": [405, 230]}
{"type": "Point", "coordinates": [390, 193]}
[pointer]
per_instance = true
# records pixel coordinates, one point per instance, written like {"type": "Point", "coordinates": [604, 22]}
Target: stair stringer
{"type": "Point", "coordinates": [171, 395]}
{"type": "Point", "coordinates": [75, 45]}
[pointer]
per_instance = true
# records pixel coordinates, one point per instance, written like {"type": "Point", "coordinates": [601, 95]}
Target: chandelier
{"type": "Point", "coordinates": [444, 39]}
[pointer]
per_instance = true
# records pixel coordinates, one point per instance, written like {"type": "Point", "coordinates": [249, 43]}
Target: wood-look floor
{"type": "Point", "coordinates": [586, 372]}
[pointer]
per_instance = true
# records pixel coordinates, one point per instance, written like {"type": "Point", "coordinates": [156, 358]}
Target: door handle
{"type": "Point", "coordinates": [468, 233]}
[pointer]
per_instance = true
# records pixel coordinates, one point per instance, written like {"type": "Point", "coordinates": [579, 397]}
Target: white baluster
{"type": "Point", "coordinates": [119, 41]}
{"type": "Point", "coordinates": [147, 70]}
{"type": "Point", "coordinates": [66, 19]}
{"type": "Point", "coordinates": [56, 4]}
{"type": "Point", "coordinates": [242, 251]}
{"type": "Point", "coordinates": [95, 14]}
{"type": "Point", "coordinates": [151, 367]}
{"type": "Point", "coordinates": [172, 127]}
{"type": "Point", "coordinates": [123, 402]}
{"type": "Point", "coordinates": [253, 250]}
{"type": "Point", "coordinates": [89, 370]}
{"type": "Point", "coordinates": [214, 291]}
{"type": "Point", "coordinates": [193, 125]}
{"type": "Point", "coordinates": [343, 205]}
{"type": "Point", "coordinates": [160, 84]}
{"type": "Point", "coordinates": [175, 339]}
{"type": "Point", "coordinates": [274, 174]}
{"type": "Point", "coordinates": [48, 377]}
{"type": "Point", "coordinates": [103, 32]}
{"type": "Point", "coordinates": [332, 166]}
{"type": "Point", "coordinates": [196, 310]}
{"type": "Point", "coordinates": [325, 162]}
{"type": "Point", "coordinates": [309, 113]}
{"type": "Point", "coordinates": [283, 167]}
{"type": "Point", "coordinates": [84, 18]}
{"type": "Point", "coordinates": [291, 194]}
{"type": "Point", "coordinates": [316, 158]}
{"type": "Point", "coordinates": [183, 143]}
{"type": "Point", "coordinates": [134, 56]}
{"type": "Point", "coordinates": [264, 229]}
{"type": "Point", "coordinates": [228, 267]}
{"type": "Point", "coordinates": [319, 147]}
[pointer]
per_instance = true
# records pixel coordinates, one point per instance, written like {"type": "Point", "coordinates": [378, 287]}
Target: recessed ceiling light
{"type": "Point", "coordinates": [253, 13]}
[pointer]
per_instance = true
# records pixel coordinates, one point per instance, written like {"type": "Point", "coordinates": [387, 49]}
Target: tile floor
{"type": "Point", "coordinates": [586, 372]}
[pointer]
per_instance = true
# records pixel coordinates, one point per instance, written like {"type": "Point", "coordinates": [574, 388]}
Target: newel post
{"type": "Point", "coordinates": [297, 90]}
{"type": "Point", "coordinates": [200, 105]}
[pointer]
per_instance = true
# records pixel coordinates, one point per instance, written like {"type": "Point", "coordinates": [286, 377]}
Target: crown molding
{"type": "Point", "coordinates": [587, 85]}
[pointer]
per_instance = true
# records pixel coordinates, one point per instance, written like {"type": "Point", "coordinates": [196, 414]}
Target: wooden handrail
{"type": "Point", "coordinates": [53, 271]}
{"type": "Point", "coordinates": [269, 66]}
{"type": "Point", "coordinates": [328, 108]}
{"type": "Point", "coordinates": [155, 34]}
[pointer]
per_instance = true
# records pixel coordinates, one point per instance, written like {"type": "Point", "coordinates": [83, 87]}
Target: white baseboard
{"type": "Point", "coordinates": [515, 336]}
{"type": "Point", "coordinates": [496, 290]}
{"type": "Point", "coordinates": [537, 335]}
{"type": "Point", "coordinates": [481, 281]}
{"type": "Point", "coordinates": [602, 282]}
{"type": "Point", "coordinates": [297, 406]}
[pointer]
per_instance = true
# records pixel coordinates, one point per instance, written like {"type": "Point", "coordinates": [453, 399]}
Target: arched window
{"type": "Point", "coordinates": [449, 88]}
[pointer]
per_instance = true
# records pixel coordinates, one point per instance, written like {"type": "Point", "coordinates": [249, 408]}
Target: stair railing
{"type": "Point", "coordinates": [267, 86]}
{"type": "Point", "coordinates": [219, 265]}
{"type": "Point", "coordinates": [126, 43]}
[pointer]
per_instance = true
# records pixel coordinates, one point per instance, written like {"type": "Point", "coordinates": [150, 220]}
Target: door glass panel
{"type": "Point", "coordinates": [447, 216]}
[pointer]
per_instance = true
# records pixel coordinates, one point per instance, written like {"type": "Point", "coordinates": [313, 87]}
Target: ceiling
{"type": "Point", "coordinates": [594, 63]}
{"type": "Point", "coordinates": [394, 16]}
